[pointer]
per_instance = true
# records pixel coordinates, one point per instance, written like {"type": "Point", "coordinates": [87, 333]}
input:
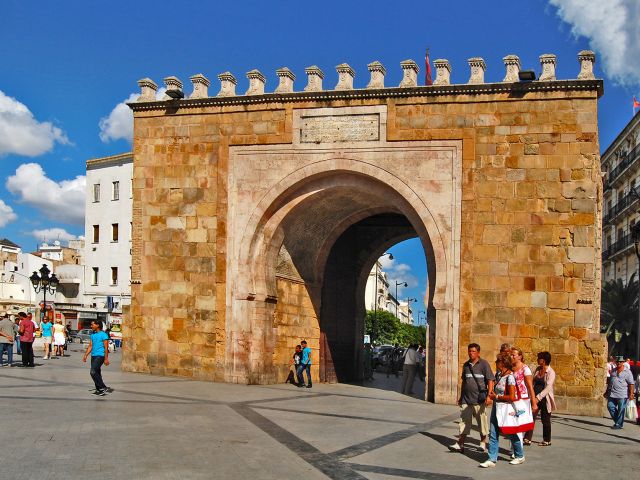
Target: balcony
{"type": "Point", "coordinates": [628, 159]}
{"type": "Point", "coordinates": [615, 210]}
{"type": "Point", "coordinates": [618, 246]}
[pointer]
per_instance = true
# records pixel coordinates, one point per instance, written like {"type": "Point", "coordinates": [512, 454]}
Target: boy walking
{"type": "Point", "coordinates": [305, 365]}
{"type": "Point", "coordinates": [99, 349]}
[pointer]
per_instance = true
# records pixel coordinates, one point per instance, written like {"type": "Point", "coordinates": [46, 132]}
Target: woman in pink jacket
{"type": "Point", "coordinates": [543, 380]}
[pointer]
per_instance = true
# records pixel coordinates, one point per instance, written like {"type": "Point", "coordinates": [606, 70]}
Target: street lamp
{"type": "Point", "coordinates": [409, 300]}
{"type": "Point", "coordinates": [44, 283]}
{"type": "Point", "coordinates": [375, 298]}
{"type": "Point", "coordinates": [635, 232]}
{"type": "Point", "coordinates": [404, 284]}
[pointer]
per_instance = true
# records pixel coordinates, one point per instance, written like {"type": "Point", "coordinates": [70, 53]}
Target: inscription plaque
{"type": "Point", "coordinates": [340, 128]}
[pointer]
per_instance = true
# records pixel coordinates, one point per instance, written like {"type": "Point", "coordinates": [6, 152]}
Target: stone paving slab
{"type": "Point", "coordinates": [155, 427]}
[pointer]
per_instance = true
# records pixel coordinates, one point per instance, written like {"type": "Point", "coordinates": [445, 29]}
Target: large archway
{"type": "Point", "coordinates": [306, 248]}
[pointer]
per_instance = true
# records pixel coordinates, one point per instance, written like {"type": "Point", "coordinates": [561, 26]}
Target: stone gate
{"type": "Point", "coordinates": [258, 217]}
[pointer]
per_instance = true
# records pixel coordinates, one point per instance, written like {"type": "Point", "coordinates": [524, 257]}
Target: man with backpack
{"type": "Point", "coordinates": [477, 382]}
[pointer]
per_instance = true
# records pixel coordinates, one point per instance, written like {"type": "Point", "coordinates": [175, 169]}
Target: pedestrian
{"type": "Point", "coordinates": [524, 382]}
{"type": "Point", "coordinates": [6, 340]}
{"type": "Point", "coordinates": [505, 348]}
{"type": "Point", "coordinates": [368, 362]}
{"type": "Point", "coordinates": [295, 362]}
{"type": "Point", "coordinates": [99, 349]}
{"type": "Point", "coordinates": [393, 354]}
{"type": "Point", "coordinates": [16, 333]}
{"type": "Point", "coordinates": [59, 338]}
{"type": "Point", "coordinates": [46, 327]}
{"type": "Point", "coordinates": [611, 365]}
{"type": "Point", "coordinates": [422, 366]}
{"type": "Point", "coordinates": [543, 380]}
{"type": "Point", "coordinates": [27, 335]}
{"type": "Point", "coordinates": [620, 390]}
{"type": "Point", "coordinates": [504, 390]}
{"type": "Point", "coordinates": [409, 369]}
{"type": "Point", "coordinates": [305, 365]}
{"type": "Point", "coordinates": [477, 382]}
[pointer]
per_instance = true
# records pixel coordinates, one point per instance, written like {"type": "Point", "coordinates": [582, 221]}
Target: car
{"type": "Point", "coordinates": [380, 355]}
{"type": "Point", "coordinates": [84, 335]}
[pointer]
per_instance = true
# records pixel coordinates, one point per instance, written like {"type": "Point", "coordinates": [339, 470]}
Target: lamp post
{"type": "Point", "coordinates": [635, 231]}
{"type": "Point", "coordinates": [375, 298]}
{"type": "Point", "coordinates": [404, 284]}
{"type": "Point", "coordinates": [409, 300]}
{"type": "Point", "coordinates": [44, 283]}
{"type": "Point", "coordinates": [420, 312]}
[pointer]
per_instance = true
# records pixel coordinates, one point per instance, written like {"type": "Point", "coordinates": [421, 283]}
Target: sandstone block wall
{"type": "Point", "coordinates": [530, 232]}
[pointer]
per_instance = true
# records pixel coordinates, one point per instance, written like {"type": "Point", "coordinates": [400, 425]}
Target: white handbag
{"type": "Point", "coordinates": [631, 412]}
{"type": "Point", "coordinates": [514, 417]}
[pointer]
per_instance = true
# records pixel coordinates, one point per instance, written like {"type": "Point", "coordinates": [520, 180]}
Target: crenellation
{"type": "Point", "coordinates": [227, 85]}
{"type": "Point", "coordinates": [345, 77]}
{"type": "Point", "coordinates": [409, 74]}
{"type": "Point", "coordinates": [314, 79]}
{"type": "Point", "coordinates": [200, 86]}
{"type": "Point", "coordinates": [378, 72]}
{"type": "Point", "coordinates": [148, 89]}
{"type": "Point", "coordinates": [173, 84]}
{"type": "Point", "coordinates": [512, 64]}
{"type": "Point", "coordinates": [286, 79]}
{"type": "Point", "coordinates": [443, 72]}
{"type": "Point", "coordinates": [586, 58]}
{"type": "Point", "coordinates": [548, 63]}
{"type": "Point", "coordinates": [256, 83]}
{"type": "Point", "coordinates": [478, 67]}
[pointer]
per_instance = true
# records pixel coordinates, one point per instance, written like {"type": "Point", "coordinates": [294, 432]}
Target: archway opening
{"type": "Point", "coordinates": [319, 241]}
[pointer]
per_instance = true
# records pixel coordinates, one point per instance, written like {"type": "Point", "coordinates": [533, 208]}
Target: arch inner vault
{"type": "Point", "coordinates": [306, 223]}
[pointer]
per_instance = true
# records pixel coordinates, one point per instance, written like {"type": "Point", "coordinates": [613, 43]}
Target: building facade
{"type": "Point", "coordinates": [107, 273]}
{"type": "Point", "coordinates": [500, 181]}
{"type": "Point", "coordinates": [621, 169]}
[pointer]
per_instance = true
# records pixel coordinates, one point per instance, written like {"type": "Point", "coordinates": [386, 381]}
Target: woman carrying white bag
{"type": "Point", "coordinates": [510, 413]}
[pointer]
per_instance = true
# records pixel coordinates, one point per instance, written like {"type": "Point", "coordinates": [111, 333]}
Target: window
{"type": "Point", "coordinates": [114, 275]}
{"type": "Point", "coordinates": [94, 276]}
{"type": "Point", "coordinates": [115, 191]}
{"type": "Point", "coordinates": [96, 192]}
{"type": "Point", "coordinates": [114, 232]}
{"type": "Point", "coordinates": [96, 233]}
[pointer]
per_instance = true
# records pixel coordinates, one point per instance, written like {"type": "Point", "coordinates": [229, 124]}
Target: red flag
{"type": "Point", "coordinates": [427, 74]}
{"type": "Point", "coordinates": [636, 103]}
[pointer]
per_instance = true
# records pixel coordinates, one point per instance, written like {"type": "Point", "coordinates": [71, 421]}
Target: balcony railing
{"type": "Point", "coordinates": [616, 209]}
{"type": "Point", "coordinates": [617, 246]}
{"type": "Point", "coordinates": [628, 159]}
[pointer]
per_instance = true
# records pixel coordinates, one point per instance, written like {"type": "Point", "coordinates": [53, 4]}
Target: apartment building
{"type": "Point", "coordinates": [621, 169]}
{"type": "Point", "coordinates": [108, 217]}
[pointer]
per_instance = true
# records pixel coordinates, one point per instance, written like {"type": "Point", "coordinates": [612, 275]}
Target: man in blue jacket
{"type": "Point", "coordinates": [305, 364]}
{"type": "Point", "coordinates": [99, 349]}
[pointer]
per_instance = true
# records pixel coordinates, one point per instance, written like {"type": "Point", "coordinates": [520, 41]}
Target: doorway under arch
{"type": "Point", "coordinates": [304, 255]}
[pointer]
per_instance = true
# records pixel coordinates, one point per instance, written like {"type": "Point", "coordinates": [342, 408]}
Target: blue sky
{"type": "Point", "coordinates": [68, 65]}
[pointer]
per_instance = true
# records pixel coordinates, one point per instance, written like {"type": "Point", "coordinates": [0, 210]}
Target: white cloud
{"type": "Point", "coordinates": [613, 30]}
{"type": "Point", "coordinates": [398, 272]}
{"type": "Point", "coordinates": [52, 234]}
{"type": "Point", "coordinates": [119, 123]}
{"type": "Point", "coordinates": [60, 201]}
{"type": "Point", "coordinates": [7, 214]}
{"type": "Point", "coordinates": [22, 134]}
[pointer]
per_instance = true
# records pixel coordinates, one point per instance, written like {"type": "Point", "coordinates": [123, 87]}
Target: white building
{"type": "Point", "coordinates": [108, 217]}
{"type": "Point", "coordinates": [386, 299]}
{"type": "Point", "coordinates": [621, 165]}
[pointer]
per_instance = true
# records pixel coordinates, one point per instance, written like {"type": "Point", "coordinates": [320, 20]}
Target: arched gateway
{"type": "Point", "coordinates": [257, 219]}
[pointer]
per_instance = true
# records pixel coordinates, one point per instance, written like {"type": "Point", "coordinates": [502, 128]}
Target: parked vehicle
{"type": "Point", "coordinates": [380, 355]}
{"type": "Point", "coordinates": [84, 335]}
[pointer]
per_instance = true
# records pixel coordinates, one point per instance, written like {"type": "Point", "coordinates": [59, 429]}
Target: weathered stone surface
{"type": "Point", "coordinates": [501, 189]}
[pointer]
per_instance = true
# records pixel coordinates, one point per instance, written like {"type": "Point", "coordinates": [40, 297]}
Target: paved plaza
{"type": "Point", "coordinates": [156, 427]}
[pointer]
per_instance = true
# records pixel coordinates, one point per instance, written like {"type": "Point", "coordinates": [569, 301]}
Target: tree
{"type": "Point", "coordinates": [387, 329]}
{"type": "Point", "coordinates": [619, 315]}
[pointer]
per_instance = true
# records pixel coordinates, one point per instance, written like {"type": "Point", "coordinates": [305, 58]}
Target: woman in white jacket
{"type": "Point", "coordinates": [543, 380]}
